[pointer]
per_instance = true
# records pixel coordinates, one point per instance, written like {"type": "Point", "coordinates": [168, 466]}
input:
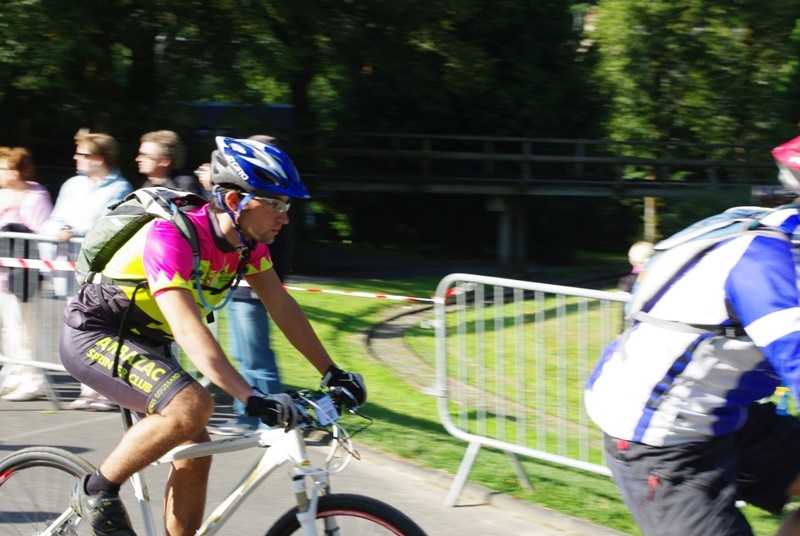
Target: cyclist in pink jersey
{"type": "Point", "coordinates": [118, 329]}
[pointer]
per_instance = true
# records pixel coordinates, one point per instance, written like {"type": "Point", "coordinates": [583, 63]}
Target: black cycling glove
{"type": "Point", "coordinates": [352, 382]}
{"type": "Point", "coordinates": [273, 410]}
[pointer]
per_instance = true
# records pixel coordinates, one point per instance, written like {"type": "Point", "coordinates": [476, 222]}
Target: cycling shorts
{"type": "Point", "coordinates": [148, 376]}
{"type": "Point", "coordinates": [692, 489]}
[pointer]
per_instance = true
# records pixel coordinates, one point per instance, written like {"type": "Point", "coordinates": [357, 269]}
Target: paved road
{"type": "Point", "coordinates": [417, 491]}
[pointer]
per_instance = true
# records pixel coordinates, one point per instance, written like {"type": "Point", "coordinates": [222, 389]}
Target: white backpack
{"type": "Point", "coordinates": [673, 256]}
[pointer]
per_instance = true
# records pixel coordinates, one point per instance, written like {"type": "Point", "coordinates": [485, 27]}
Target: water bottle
{"type": "Point", "coordinates": [782, 393]}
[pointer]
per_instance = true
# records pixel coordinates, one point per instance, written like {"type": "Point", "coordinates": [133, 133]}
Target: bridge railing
{"type": "Point", "coordinates": [433, 157]}
{"type": "Point", "coordinates": [353, 161]}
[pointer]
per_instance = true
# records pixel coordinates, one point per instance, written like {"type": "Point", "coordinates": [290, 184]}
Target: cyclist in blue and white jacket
{"type": "Point", "coordinates": [687, 433]}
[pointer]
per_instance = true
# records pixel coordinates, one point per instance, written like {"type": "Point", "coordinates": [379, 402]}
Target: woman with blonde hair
{"type": "Point", "coordinates": [638, 255]}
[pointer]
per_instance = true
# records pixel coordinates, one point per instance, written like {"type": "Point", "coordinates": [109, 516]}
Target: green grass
{"type": "Point", "coordinates": [406, 421]}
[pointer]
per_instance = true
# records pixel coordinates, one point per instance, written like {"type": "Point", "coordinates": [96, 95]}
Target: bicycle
{"type": "Point", "coordinates": [35, 482]}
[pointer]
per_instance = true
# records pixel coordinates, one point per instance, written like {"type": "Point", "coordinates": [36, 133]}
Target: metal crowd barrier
{"type": "Point", "coordinates": [512, 358]}
{"type": "Point", "coordinates": [36, 281]}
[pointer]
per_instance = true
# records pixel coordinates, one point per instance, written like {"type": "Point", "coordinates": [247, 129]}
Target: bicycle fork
{"type": "Point", "coordinates": [307, 506]}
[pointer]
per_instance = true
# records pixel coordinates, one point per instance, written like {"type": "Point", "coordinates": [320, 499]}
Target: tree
{"type": "Point", "coordinates": [695, 70]}
{"type": "Point", "coordinates": [76, 64]}
{"type": "Point", "coordinates": [508, 67]}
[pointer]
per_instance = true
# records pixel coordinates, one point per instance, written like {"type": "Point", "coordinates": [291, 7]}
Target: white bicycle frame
{"type": "Point", "coordinates": [279, 447]}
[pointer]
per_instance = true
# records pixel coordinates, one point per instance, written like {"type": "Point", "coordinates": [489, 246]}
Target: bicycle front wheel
{"type": "Point", "coordinates": [35, 485]}
{"type": "Point", "coordinates": [345, 514]}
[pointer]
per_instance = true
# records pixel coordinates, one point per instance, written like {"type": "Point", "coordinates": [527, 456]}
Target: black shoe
{"type": "Point", "coordinates": [104, 512]}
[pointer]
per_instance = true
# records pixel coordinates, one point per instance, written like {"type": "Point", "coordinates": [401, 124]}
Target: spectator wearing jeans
{"type": "Point", "coordinates": [248, 337]}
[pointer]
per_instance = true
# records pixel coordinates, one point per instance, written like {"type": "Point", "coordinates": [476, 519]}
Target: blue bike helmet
{"type": "Point", "coordinates": [255, 168]}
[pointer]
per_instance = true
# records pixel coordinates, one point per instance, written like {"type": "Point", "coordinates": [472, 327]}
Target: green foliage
{"type": "Point", "coordinates": [481, 66]}
{"type": "Point", "coordinates": [695, 70]}
{"type": "Point", "coordinates": [676, 214]}
{"type": "Point", "coordinates": [122, 66]}
{"type": "Point", "coordinates": [634, 70]}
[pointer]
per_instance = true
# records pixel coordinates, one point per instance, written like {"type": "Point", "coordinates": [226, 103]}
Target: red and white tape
{"type": "Point", "coordinates": [360, 294]}
{"type": "Point", "coordinates": [38, 264]}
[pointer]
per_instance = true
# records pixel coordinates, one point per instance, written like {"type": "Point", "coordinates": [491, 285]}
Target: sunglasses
{"type": "Point", "coordinates": [281, 207]}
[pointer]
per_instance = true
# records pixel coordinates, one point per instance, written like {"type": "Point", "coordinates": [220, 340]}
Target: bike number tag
{"type": "Point", "coordinates": [326, 411]}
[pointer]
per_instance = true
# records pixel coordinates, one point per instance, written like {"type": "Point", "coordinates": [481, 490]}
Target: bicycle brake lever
{"type": "Point", "coordinates": [343, 398]}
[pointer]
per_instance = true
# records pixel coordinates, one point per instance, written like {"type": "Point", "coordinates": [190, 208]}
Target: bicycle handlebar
{"type": "Point", "coordinates": [320, 409]}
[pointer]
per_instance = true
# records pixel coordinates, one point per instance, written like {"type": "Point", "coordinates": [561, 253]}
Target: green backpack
{"type": "Point", "coordinates": [126, 218]}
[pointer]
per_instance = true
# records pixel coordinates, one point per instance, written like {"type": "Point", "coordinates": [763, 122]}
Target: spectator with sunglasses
{"type": "Point", "coordinates": [161, 158]}
{"type": "Point", "coordinates": [81, 201]}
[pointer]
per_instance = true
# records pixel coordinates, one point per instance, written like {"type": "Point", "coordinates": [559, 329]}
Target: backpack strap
{"type": "Point", "coordinates": [730, 331]}
{"type": "Point", "coordinates": [123, 325]}
{"type": "Point", "coordinates": [187, 230]}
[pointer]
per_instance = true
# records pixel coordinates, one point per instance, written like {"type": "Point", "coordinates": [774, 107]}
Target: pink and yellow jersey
{"type": "Point", "coordinates": [159, 254]}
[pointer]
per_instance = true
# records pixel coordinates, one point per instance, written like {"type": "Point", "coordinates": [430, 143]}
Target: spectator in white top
{"type": "Point", "coordinates": [81, 201]}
